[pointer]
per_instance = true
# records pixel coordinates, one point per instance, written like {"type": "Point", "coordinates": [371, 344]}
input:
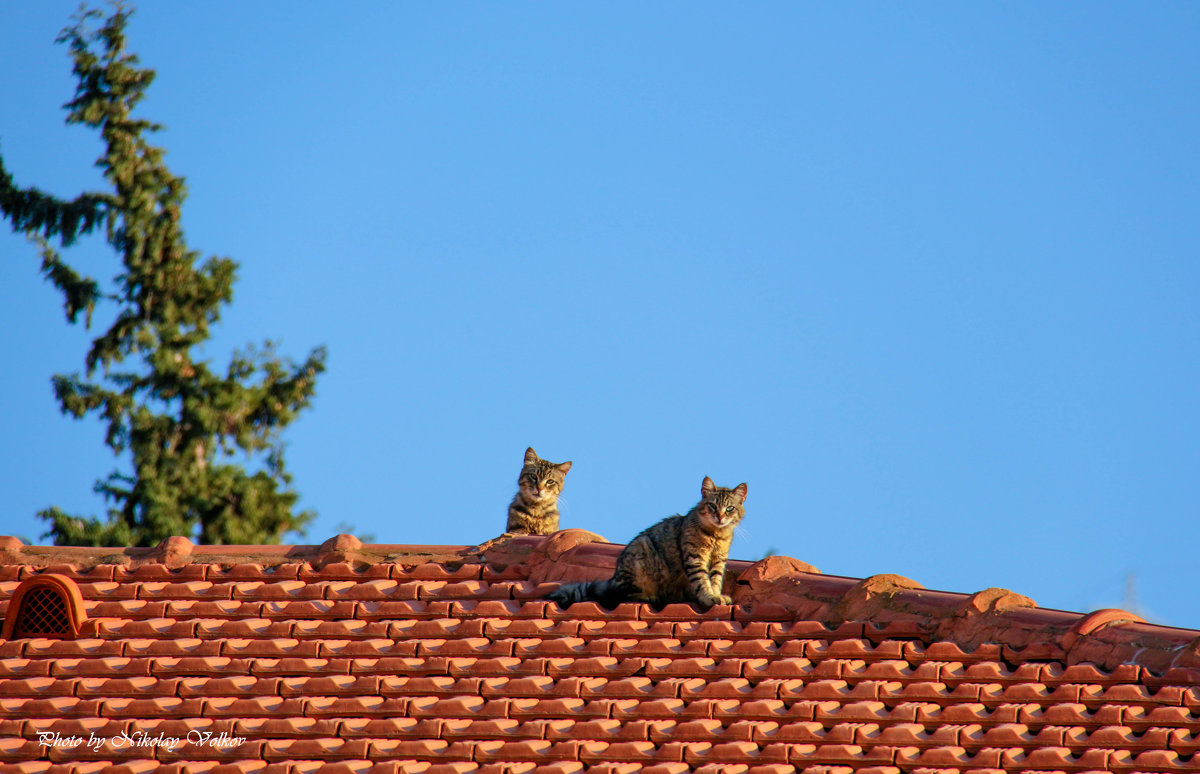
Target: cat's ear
{"type": "Point", "coordinates": [565, 467]}
{"type": "Point", "coordinates": [707, 487]}
{"type": "Point", "coordinates": [530, 456]}
{"type": "Point", "coordinates": [740, 490]}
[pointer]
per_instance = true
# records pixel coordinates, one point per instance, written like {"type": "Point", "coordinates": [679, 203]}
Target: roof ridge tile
{"type": "Point", "coordinates": [895, 607]}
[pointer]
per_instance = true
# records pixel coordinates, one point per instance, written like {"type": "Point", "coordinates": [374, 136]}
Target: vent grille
{"type": "Point", "coordinates": [43, 614]}
{"type": "Point", "coordinates": [46, 605]}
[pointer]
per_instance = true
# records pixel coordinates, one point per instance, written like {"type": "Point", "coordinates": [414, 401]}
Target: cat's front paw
{"type": "Point", "coordinates": [717, 599]}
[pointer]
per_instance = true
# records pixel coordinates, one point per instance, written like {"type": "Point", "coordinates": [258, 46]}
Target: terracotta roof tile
{"type": "Point", "coordinates": [351, 658]}
{"type": "Point", "coordinates": [317, 706]}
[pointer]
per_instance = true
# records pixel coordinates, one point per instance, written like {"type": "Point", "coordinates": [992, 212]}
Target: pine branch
{"type": "Point", "coordinates": [32, 212]}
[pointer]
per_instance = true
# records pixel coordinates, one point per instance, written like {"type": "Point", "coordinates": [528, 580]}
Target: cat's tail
{"type": "Point", "coordinates": [606, 592]}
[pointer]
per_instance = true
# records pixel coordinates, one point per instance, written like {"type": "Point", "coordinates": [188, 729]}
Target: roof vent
{"type": "Point", "coordinates": [44, 606]}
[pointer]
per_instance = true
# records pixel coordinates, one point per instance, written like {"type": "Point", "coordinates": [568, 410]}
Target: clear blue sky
{"type": "Point", "coordinates": [924, 275]}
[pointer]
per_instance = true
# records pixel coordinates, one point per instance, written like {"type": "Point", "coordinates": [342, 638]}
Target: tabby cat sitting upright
{"type": "Point", "coordinates": [534, 509]}
{"type": "Point", "coordinates": [679, 559]}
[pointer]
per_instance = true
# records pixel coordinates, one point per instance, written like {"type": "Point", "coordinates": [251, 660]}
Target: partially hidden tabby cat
{"type": "Point", "coordinates": [679, 559]}
{"type": "Point", "coordinates": [534, 509]}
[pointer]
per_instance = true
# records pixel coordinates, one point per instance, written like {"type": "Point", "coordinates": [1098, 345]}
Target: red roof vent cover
{"type": "Point", "coordinates": [44, 606]}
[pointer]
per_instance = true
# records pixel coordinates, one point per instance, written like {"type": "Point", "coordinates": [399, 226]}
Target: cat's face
{"type": "Point", "coordinates": [722, 508]}
{"type": "Point", "coordinates": [540, 479]}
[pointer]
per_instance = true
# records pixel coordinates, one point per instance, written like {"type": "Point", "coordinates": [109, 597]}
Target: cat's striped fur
{"type": "Point", "coordinates": [534, 509]}
{"type": "Point", "coordinates": [679, 559]}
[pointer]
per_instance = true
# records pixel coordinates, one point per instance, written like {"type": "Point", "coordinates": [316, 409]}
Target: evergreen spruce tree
{"type": "Point", "coordinates": [190, 432]}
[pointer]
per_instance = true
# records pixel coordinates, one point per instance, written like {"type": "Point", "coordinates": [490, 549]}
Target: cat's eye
{"type": "Point", "coordinates": [729, 509]}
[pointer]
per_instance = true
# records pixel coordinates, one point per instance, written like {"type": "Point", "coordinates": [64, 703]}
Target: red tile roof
{"type": "Point", "coordinates": [368, 658]}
